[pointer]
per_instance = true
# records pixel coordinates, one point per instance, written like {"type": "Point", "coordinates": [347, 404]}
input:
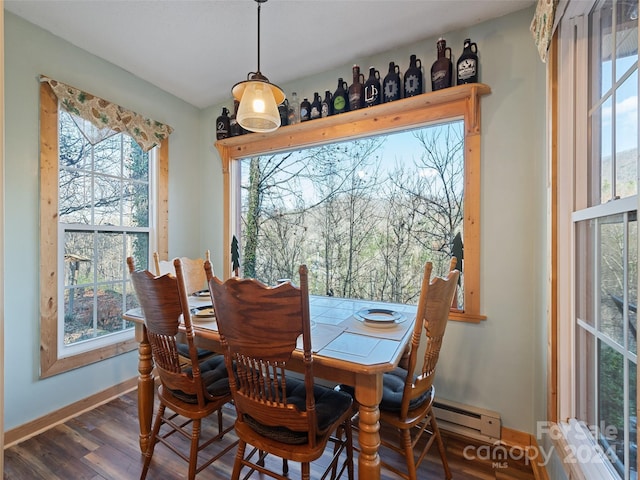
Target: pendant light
{"type": "Point", "coordinates": [259, 99]}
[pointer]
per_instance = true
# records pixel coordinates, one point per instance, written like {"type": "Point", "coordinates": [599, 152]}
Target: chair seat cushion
{"type": "Point", "coordinates": [183, 349]}
{"type": "Point", "coordinates": [330, 406]}
{"type": "Point", "coordinates": [213, 372]}
{"type": "Point", "coordinates": [392, 389]}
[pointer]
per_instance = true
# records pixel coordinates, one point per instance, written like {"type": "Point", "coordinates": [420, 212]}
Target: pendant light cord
{"type": "Point", "coordinates": [259, 8]}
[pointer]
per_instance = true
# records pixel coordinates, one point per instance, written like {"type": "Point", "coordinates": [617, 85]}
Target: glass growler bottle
{"type": "Point", "coordinates": [391, 84]}
{"type": "Point", "coordinates": [294, 109]}
{"type": "Point", "coordinates": [467, 67]}
{"type": "Point", "coordinates": [283, 110]}
{"type": "Point", "coordinates": [341, 98]}
{"type": "Point", "coordinates": [441, 69]}
{"type": "Point", "coordinates": [305, 110]}
{"type": "Point", "coordinates": [326, 108]}
{"type": "Point", "coordinates": [356, 90]}
{"type": "Point", "coordinates": [222, 124]}
{"type": "Point", "coordinates": [372, 88]}
{"type": "Point", "coordinates": [316, 106]}
{"type": "Point", "coordinates": [413, 78]}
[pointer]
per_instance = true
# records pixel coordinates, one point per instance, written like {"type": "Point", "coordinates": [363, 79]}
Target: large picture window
{"type": "Point", "coordinates": [364, 215]}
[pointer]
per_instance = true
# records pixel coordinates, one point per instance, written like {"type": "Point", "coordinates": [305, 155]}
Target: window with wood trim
{"type": "Point", "coordinates": [97, 208]}
{"type": "Point", "coordinates": [433, 108]}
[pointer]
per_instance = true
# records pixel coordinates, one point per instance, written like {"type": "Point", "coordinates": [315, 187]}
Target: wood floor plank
{"type": "Point", "coordinates": [102, 444]}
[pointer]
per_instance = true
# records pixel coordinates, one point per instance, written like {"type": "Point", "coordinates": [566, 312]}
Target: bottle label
{"type": "Point", "coordinates": [371, 94]}
{"type": "Point", "coordinates": [315, 112]}
{"type": "Point", "coordinates": [303, 112]}
{"type": "Point", "coordinates": [324, 112]}
{"type": "Point", "coordinates": [466, 69]}
{"type": "Point", "coordinates": [391, 90]}
{"type": "Point", "coordinates": [339, 103]}
{"type": "Point", "coordinates": [411, 85]}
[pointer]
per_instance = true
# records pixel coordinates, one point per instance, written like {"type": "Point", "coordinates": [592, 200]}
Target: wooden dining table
{"type": "Point", "coordinates": [354, 342]}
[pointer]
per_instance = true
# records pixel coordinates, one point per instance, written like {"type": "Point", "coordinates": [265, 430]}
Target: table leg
{"type": "Point", "coordinates": [145, 389]}
{"type": "Point", "coordinates": [368, 396]}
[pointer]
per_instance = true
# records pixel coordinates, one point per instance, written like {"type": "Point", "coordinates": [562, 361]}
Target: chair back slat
{"type": "Point", "coordinates": [431, 320]}
{"type": "Point", "coordinates": [259, 328]}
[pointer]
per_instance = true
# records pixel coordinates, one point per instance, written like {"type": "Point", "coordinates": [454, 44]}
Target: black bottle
{"type": "Point", "coordinates": [442, 67]}
{"type": "Point", "coordinates": [413, 78]}
{"type": "Point", "coordinates": [341, 98]}
{"type": "Point", "coordinates": [372, 88]}
{"type": "Point", "coordinates": [467, 67]}
{"type": "Point", "coordinates": [316, 107]}
{"type": "Point", "coordinates": [222, 124]}
{"type": "Point", "coordinates": [283, 110]}
{"type": "Point", "coordinates": [391, 84]}
{"type": "Point", "coordinates": [356, 90]}
{"type": "Point", "coordinates": [326, 107]}
{"type": "Point", "coordinates": [305, 110]}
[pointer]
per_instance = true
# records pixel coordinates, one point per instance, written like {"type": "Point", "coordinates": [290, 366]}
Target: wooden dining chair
{"type": "Point", "coordinates": [408, 393]}
{"type": "Point", "coordinates": [277, 413]}
{"type": "Point", "coordinates": [195, 281]}
{"type": "Point", "coordinates": [191, 393]}
{"type": "Point", "coordinates": [192, 268]}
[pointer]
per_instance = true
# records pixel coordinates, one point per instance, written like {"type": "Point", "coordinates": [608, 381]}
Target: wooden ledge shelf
{"type": "Point", "coordinates": [461, 100]}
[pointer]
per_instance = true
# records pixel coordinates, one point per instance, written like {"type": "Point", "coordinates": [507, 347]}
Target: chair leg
{"type": "Point", "coordinates": [193, 453]}
{"type": "Point", "coordinates": [407, 446]}
{"type": "Point", "coordinates": [306, 471]}
{"type": "Point", "coordinates": [237, 465]}
{"type": "Point", "coordinates": [152, 441]}
{"type": "Point", "coordinates": [441, 449]}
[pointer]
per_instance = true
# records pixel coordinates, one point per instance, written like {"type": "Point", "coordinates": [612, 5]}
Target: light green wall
{"type": "Point", "coordinates": [30, 51]}
{"type": "Point", "coordinates": [498, 364]}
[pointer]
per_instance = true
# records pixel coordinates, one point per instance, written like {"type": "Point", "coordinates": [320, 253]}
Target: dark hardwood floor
{"type": "Point", "coordinates": [103, 444]}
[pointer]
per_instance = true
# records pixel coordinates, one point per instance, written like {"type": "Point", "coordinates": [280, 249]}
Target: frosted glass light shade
{"type": "Point", "coordinates": [259, 100]}
{"type": "Point", "coordinates": [258, 109]}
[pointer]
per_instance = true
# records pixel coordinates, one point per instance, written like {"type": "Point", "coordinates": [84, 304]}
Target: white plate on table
{"type": "Point", "coordinates": [380, 317]}
{"type": "Point", "coordinates": [202, 294]}
{"type": "Point", "coordinates": [203, 314]}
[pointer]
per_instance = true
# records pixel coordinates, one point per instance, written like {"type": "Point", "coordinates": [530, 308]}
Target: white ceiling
{"type": "Point", "coordinates": [198, 49]}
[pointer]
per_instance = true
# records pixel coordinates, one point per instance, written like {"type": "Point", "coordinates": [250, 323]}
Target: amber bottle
{"type": "Point", "coordinates": [305, 110]}
{"type": "Point", "coordinates": [326, 108]}
{"type": "Point", "coordinates": [356, 90]}
{"type": "Point", "coordinates": [316, 106]}
{"type": "Point", "coordinates": [441, 70]}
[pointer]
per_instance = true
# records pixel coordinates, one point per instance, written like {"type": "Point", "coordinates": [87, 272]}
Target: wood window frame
{"type": "Point", "coordinates": [459, 102]}
{"type": "Point", "coordinates": [50, 364]}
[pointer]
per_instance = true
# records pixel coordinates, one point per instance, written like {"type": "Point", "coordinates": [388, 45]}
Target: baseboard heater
{"type": "Point", "coordinates": [467, 420]}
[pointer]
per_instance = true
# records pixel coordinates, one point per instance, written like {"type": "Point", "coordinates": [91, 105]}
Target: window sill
{"type": "Point", "coordinates": [581, 457]}
{"type": "Point", "coordinates": [462, 316]}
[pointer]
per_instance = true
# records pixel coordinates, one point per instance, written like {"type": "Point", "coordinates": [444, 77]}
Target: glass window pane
{"type": "Point", "coordinates": [584, 264]}
{"type": "Point", "coordinates": [626, 35]}
{"type": "Point", "coordinates": [612, 284]}
{"type": "Point", "coordinates": [601, 49]}
{"type": "Point", "coordinates": [108, 198]}
{"type": "Point", "coordinates": [136, 162]}
{"type": "Point", "coordinates": [109, 248]}
{"type": "Point", "coordinates": [633, 420]}
{"type": "Point", "coordinates": [74, 149]}
{"type": "Point", "coordinates": [626, 166]}
{"type": "Point", "coordinates": [601, 154]}
{"type": "Point", "coordinates": [78, 256]}
{"type": "Point", "coordinates": [135, 204]}
{"type": "Point", "coordinates": [75, 196]}
{"type": "Point", "coordinates": [110, 305]}
{"type": "Point", "coordinates": [108, 156]}
{"type": "Point", "coordinates": [138, 248]}
{"type": "Point", "coordinates": [78, 317]}
{"type": "Point", "coordinates": [585, 376]}
{"type": "Point", "coordinates": [611, 404]}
